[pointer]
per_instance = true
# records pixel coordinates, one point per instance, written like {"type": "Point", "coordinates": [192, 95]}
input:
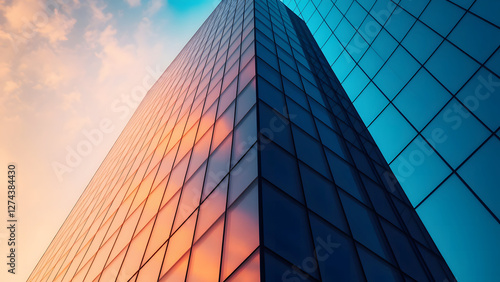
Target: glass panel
{"type": "Point", "coordinates": [335, 252]}
{"type": "Point", "coordinates": [162, 227]}
{"type": "Point", "coordinates": [364, 226]}
{"type": "Point", "coordinates": [179, 243]}
{"type": "Point", "coordinates": [280, 168]}
{"type": "Point", "coordinates": [151, 270]}
{"type": "Point", "coordinates": [376, 269]}
{"type": "Point", "coordinates": [243, 174]}
{"type": "Point", "coordinates": [455, 133]}
{"type": "Point", "coordinates": [223, 126]}
{"type": "Point", "coordinates": [242, 231]}
{"type": "Point", "coordinates": [285, 224]}
{"type": "Point", "coordinates": [249, 271]}
{"type": "Point", "coordinates": [456, 225]}
{"type": "Point", "coordinates": [205, 256]}
{"type": "Point", "coordinates": [177, 272]}
{"type": "Point", "coordinates": [135, 253]}
{"type": "Point", "coordinates": [190, 197]}
{"type": "Point", "coordinates": [481, 172]}
{"type": "Point", "coordinates": [218, 166]}
{"type": "Point", "coordinates": [245, 136]}
{"type": "Point", "coordinates": [391, 132]}
{"type": "Point", "coordinates": [451, 66]}
{"type": "Point", "coordinates": [322, 198]}
{"type": "Point", "coordinates": [211, 209]}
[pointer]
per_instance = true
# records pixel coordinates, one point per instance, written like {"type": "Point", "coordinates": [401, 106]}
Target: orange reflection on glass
{"type": "Point", "coordinates": [242, 231]}
{"type": "Point", "coordinates": [177, 133]}
{"type": "Point", "coordinates": [207, 120]}
{"type": "Point", "coordinates": [211, 209]}
{"type": "Point", "coordinates": [111, 271]}
{"type": "Point", "coordinates": [218, 166]}
{"type": "Point", "coordinates": [176, 179]}
{"type": "Point", "coordinates": [190, 197]}
{"type": "Point", "coordinates": [205, 257]}
{"type": "Point", "coordinates": [187, 142]}
{"type": "Point", "coordinates": [200, 152]}
{"type": "Point", "coordinates": [177, 272]}
{"type": "Point", "coordinates": [162, 227]}
{"type": "Point", "coordinates": [135, 252]}
{"type": "Point", "coordinates": [223, 126]}
{"type": "Point", "coordinates": [151, 270]}
{"type": "Point", "coordinates": [249, 271]}
{"type": "Point", "coordinates": [179, 243]}
{"type": "Point", "coordinates": [151, 207]}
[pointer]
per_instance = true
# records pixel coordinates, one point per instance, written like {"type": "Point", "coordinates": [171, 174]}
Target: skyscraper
{"type": "Point", "coordinates": [424, 77]}
{"type": "Point", "coordinates": [246, 161]}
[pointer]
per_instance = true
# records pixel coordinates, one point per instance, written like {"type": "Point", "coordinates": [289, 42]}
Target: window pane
{"type": "Point", "coordinates": [286, 224]}
{"type": "Point", "coordinates": [205, 256]}
{"type": "Point", "coordinates": [211, 209]}
{"type": "Point", "coordinates": [242, 231]}
{"type": "Point", "coordinates": [249, 271]}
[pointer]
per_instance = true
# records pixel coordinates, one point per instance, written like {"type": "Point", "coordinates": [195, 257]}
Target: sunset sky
{"type": "Point", "coordinates": [71, 74]}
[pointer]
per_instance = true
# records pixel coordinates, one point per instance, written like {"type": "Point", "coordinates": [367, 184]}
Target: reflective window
{"type": "Point", "coordinates": [285, 224]}
{"type": "Point", "coordinates": [205, 255]}
{"type": "Point", "coordinates": [421, 99]}
{"type": "Point", "coordinates": [391, 132]}
{"type": "Point", "coordinates": [448, 201]}
{"type": "Point", "coordinates": [335, 253]}
{"type": "Point", "coordinates": [281, 169]}
{"type": "Point", "coordinates": [420, 169]}
{"type": "Point", "coordinates": [242, 232]}
{"type": "Point", "coordinates": [481, 172]}
{"type": "Point", "coordinates": [364, 226]}
{"type": "Point", "coordinates": [451, 66]}
{"type": "Point", "coordinates": [455, 133]}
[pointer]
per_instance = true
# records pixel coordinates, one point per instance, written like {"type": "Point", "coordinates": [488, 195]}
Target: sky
{"type": "Point", "coordinates": [72, 73]}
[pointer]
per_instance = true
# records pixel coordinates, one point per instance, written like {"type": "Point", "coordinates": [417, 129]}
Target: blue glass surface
{"type": "Point", "coordinates": [421, 99]}
{"type": "Point", "coordinates": [471, 259]}
{"type": "Point", "coordinates": [391, 132]}
{"type": "Point", "coordinates": [455, 133]}
{"type": "Point", "coordinates": [419, 169]}
{"type": "Point", "coordinates": [421, 41]}
{"type": "Point", "coordinates": [451, 66]}
{"type": "Point", "coordinates": [442, 16]}
{"type": "Point", "coordinates": [481, 96]}
{"type": "Point", "coordinates": [476, 37]}
{"type": "Point", "coordinates": [481, 173]}
{"type": "Point", "coordinates": [370, 103]}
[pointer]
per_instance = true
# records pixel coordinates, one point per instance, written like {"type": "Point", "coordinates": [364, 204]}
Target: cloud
{"type": "Point", "coordinates": [10, 86]}
{"type": "Point", "coordinates": [20, 14]}
{"type": "Point", "coordinates": [97, 12]}
{"type": "Point", "coordinates": [57, 27]}
{"type": "Point", "coordinates": [70, 99]}
{"type": "Point", "coordinates": [153, 7]}
{"type": "Point", "coordinates": [134, 3]}
{"type": "Point", "coordinates": [115, 58]}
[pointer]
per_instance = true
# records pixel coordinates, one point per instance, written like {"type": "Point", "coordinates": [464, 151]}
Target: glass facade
{"type": "Point", "coordinates": [424, 76]}
{"type": "Point", "coordinates": [246, 161]}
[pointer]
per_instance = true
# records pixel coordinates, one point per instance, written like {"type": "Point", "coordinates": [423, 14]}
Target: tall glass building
{"type": "Point", "coordinates": [424, 75]}
{"type": "Point", "coordinates": [246, 161]}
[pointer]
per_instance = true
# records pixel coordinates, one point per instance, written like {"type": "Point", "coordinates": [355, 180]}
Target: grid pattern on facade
{"type": "Point", "coordinates": [193, 191]}
{"type": "Point", "coordinates": [158, 201]}
{"type": "Point", "coordinates": [322, 176]}
{"type": "Point", "coordinates": [424, 77]}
